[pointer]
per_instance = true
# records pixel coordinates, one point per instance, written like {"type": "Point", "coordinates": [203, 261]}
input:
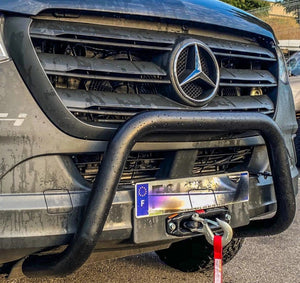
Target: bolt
{"type": "Point", "coordinates": [185, 28]}
{"type": "Point", "coordinates": [172, 226]}
{"type": "Point", "coordinates": [227, 217]}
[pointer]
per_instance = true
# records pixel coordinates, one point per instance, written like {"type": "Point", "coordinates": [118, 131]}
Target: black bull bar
{"type": "Point", "coordinates": [108, 177]}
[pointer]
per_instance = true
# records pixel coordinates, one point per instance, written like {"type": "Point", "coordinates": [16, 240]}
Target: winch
{"type": "Point", "coordinates": [205, 222]}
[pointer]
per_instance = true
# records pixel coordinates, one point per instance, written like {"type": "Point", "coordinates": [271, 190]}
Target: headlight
{"type": "Point", "coordinates": [282, 69]}
{"type": "Point", "coordinates": [3, 53]}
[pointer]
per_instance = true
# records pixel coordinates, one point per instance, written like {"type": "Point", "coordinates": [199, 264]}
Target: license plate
{"type": "Point", "coordinates": [178, 195]}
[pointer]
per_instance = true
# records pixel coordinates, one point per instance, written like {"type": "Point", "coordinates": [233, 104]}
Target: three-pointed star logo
{"type": "Point", "coordinates": [197, 73]}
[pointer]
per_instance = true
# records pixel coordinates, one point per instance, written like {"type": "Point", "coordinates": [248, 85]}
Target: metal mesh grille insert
{"type": "Point", "coordinates": [193, 90]}
{"type": "Point", "coordinates": [182, 61]}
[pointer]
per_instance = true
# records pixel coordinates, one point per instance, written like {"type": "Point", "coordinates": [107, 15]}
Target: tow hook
{"type": "Point", "coordinates": [208, 233]}
{"type": "Point", "coordinates": [187, 224]}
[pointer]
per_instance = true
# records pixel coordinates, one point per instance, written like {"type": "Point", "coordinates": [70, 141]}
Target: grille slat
{"type": "Point", "coordinates": [114, 104]}
{"type": "Point", "coordinates": [239, 48]}
{"type": "Point", "coordinates": [103, 43]}
{"type": "Point", "coordinates": [246, 84]}
{"type": "Point", "coordinates": [142, 170]}
{"type": "Point", "coordinates": [250, 77]}
{"type": "Point", "coordinates": [57, 29]}
{"type": "Point", "coordinates": [65, 63]}
{"type": "Point", "coordinates": [102, 112]}
{"type": "Point", "coordinates": [251, 57]}
{"type": "Point", "coordinates": [124, 101]}
{"type": "Point", "coordinates": [107, 78]}
{"type": "Point", "coordinates": [73, 99]}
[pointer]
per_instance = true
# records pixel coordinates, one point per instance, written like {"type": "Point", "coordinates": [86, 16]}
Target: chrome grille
{"type": "Point", "coordinates": [106, 74]}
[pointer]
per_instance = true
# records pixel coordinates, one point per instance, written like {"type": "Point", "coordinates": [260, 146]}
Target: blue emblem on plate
{"type": "Point", "coordinates": [142, 199]}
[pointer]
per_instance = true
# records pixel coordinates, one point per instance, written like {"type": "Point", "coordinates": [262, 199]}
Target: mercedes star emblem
{"type": "Point", "coordinates": [194, 72]}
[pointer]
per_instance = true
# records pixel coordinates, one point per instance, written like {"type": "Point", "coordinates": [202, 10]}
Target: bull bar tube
{"type": "Point", "coordinates": [105, 185]}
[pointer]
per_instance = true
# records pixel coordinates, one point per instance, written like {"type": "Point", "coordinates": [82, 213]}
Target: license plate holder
{"type": "Point", "coordinates": [178, 195]}
{"type": "Point", "coordinates": [156, 200]}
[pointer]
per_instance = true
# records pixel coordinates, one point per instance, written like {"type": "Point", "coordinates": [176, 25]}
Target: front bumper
{"type": "Point", "coordinates": [39, 230]}
{"type": "Point", "coordinates": [105, 185]}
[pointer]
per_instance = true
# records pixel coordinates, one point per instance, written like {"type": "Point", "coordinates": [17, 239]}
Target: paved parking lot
{"type": "Point", "coordinates": [266, 259]}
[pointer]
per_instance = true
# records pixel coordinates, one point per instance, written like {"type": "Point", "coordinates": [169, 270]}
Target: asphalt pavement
{"type": "Point", "coordinates": [265, 259]}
